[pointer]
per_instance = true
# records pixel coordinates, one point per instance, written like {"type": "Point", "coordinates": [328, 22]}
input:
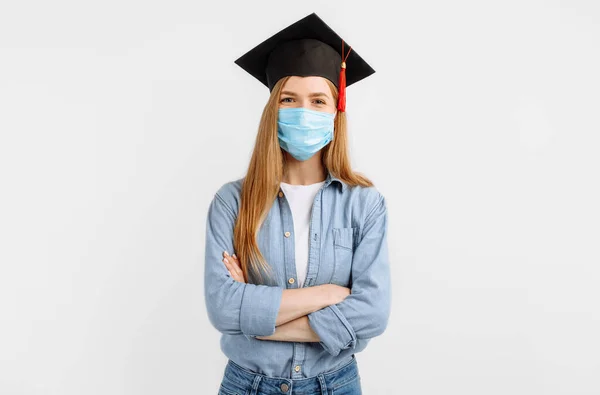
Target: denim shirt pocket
{"type": "Point", "coordinates": [343, 250]}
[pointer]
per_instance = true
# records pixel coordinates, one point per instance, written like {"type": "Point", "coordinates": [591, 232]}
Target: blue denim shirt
{"type": "Point", "coordinates": [348, 247]}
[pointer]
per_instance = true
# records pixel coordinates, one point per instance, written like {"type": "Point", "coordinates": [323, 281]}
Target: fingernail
{"type": "Point", "coordinates": [225, 259]}
{"type": "Point", "coordinates": [234, 256]}
{"type": "Point", "coordinates": [226, 253]}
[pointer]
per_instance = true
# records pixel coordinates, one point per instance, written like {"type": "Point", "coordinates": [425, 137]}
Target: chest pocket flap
{"type": "Point", "coordinates": [343, 243]}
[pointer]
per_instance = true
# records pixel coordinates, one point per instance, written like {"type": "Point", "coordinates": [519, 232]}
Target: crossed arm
{"type": "Point", "coordinates": [292, 322]}
{"type": "Point", "coordinates": [302, 314]}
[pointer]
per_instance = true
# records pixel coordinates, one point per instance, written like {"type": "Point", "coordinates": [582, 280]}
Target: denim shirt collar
{"type": "Point", "coordinates": [331, 178]}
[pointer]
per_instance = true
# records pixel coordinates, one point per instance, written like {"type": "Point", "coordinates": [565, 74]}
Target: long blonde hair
{"type": "Point", "coordinates": [265, 171]}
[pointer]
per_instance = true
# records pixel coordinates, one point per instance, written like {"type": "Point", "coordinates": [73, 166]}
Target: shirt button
{"type": "Point", "coordinates": [281, 195]}
{"type": "Point", "coordinates": [284, 387]}
{"type": "Point", "coordinates": [287, 234]}
{"type": "Point", "coordinates": [297, 368]}
{"type": "Point", "coordinates": [291, 280]}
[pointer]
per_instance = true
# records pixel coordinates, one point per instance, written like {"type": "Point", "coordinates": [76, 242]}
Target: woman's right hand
{"type": "Point", "coordinates": [336, 293]}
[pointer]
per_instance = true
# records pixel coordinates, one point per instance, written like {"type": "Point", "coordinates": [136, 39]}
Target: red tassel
{"type": "Point", "coordinates": [342, 82]}
{"type": "Point", "coordinates": [342, 89]}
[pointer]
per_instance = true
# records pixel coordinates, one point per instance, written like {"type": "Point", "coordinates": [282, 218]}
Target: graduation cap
{"type": "Point", "coordinates": [308, 47]}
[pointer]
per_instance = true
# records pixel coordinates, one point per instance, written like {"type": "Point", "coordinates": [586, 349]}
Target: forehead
{"type": "Point", "coordinates": [309, 84]}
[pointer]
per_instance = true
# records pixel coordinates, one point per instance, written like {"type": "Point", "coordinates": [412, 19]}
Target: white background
{"type": "Point", "coordinates": [120, 119]}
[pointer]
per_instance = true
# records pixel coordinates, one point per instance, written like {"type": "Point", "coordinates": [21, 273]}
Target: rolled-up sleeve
{"type": "Point", "coordinates": [364, 313]}
{"type": "Point", "coordinates": [234, 307]}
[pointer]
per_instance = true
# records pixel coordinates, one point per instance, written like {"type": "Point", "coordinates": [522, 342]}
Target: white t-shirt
{"type": "Point", "coordinates": [300, 199]}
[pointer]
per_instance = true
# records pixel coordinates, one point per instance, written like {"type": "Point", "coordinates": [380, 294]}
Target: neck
{"type": "Point", "coordinates": [305, 172]}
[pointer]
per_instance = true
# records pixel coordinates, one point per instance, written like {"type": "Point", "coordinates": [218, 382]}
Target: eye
{"type": "Point", "coordinates": [319, 101]}
{"type": "Point", "coordinates": [286, 98]}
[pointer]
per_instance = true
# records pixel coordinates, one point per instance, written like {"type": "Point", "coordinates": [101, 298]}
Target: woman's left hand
{"type": "Point", "coordinates": [233, 266]}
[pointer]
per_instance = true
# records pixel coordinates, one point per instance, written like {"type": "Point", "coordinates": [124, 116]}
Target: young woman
{"type": "Point", "coordinates": [296, 265]}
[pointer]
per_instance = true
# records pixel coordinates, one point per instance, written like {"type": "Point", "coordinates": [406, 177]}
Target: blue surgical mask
{"type": "Point", "coordinates": [303, 132]}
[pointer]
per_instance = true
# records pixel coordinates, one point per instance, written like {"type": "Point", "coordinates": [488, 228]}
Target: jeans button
{"type": "Point", "coordinates": [284, 387]}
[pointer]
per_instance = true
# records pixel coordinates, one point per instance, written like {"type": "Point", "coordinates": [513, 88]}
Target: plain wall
{"type": "Point", "coordinates": [120, 119]}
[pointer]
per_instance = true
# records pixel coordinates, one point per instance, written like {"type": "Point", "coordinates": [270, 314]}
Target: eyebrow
{"type": "Point", "coordinates": [315, 94]}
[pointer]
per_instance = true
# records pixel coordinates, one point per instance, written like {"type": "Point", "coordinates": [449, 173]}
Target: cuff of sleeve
{"type": "Point", "coordinates": [333, 328]}
{"type": "Point", "coordinates": [259, 309]}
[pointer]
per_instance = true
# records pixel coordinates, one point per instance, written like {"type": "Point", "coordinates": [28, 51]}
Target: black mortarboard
{"type": "Point", "coordinates": [306, 48]}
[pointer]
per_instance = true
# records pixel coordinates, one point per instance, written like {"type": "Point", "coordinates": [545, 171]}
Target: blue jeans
{"type": "Point", "coordinates": [241, 381]}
